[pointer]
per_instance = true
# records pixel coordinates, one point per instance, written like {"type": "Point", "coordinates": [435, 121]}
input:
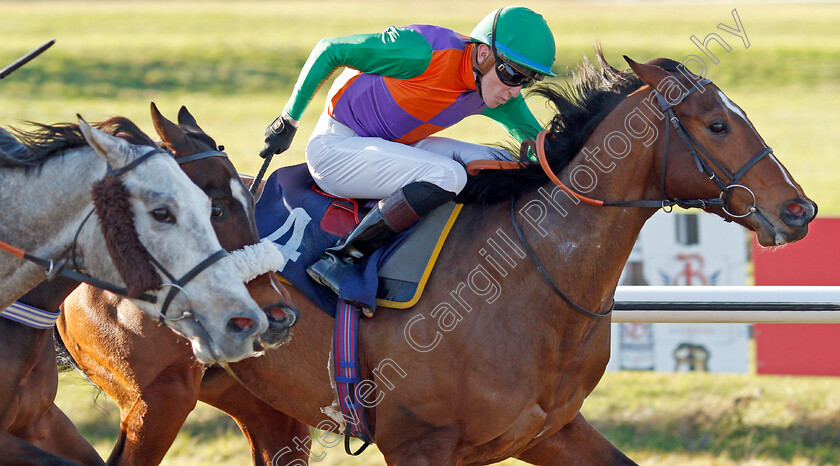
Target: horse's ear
{"type": "Point", "coordinates": [652, 75]}
{"type": "Point", "coordinates": [186, 120]}
{"type": "Point", "coordinates": [173, 137]}
{"type": "Point", "coordinates": [111, 148]}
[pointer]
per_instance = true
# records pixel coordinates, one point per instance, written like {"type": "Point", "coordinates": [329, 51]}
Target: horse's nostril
{"type": "Point", "coordinates": [239, 324]}
{"type": "Point", "coordinates": [796, 209]}
{"type": "Point", "coordinates": [282, 315]}
{"type": "Point", "coordinates": [798, 213]}
{"type": "Point", "coordinates": [276, 314]}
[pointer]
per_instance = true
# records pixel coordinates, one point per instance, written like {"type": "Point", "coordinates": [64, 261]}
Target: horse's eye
{"type": "Point", "coordinates": [163, 215]}
{"type": "Point", "coordinates": [719, 127]}
{"type": "Point", "coordinates": [216, 210]}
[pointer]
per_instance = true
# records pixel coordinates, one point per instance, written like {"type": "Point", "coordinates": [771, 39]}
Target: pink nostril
{"type": "Point", "coordinates": [276, 313]}
{"type": "Point", "coordinates": [241, 323]}
{"type": "Point", "coordinates": [796, 209]}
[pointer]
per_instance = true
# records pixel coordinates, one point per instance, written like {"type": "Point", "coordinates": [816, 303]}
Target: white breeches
{"type": "Point", "coordinates": [348, 165]}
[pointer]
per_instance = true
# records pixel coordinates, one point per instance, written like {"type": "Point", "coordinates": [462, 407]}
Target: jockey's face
{"type": "Point", "coordinates": [493, 91]}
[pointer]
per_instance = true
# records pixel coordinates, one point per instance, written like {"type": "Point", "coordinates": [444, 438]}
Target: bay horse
{"type": "Point", "coordinates": [499, 354]}
{"type": "Point", "coordinates": [36, 429]}
{"type": "Point", "coordinates": [53, 179]}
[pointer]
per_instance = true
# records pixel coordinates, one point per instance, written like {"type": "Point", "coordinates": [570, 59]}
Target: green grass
{"type": "Point", "coordinates": [234, 63]}
{"type": "Point", "coordinates": [655, 418]}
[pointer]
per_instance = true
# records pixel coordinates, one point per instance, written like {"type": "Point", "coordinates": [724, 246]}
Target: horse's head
{"type": "Point", "coordinates": [232, 215]}
{"type": "Point", "coordinates": [714, 151]}
{"type": "Point", "coordinates": [202, 296]}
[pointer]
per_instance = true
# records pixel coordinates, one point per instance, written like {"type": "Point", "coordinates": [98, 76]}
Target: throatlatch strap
{"type": "Point", "coordinates": [347, 375]}
{"type": "Point", "coordinates": [30, 316]}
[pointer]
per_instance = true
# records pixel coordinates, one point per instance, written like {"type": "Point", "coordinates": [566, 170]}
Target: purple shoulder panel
{"type": "Point", "coordinates": [440, 38]}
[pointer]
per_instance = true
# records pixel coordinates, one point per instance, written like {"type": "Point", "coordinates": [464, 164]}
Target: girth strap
{"type": "Point", "coordinates": [30, 316]}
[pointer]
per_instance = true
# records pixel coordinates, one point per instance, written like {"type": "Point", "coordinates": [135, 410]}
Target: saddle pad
{"type": "Point", "coordinates": [403, 275]}
{"type": "Point", "coordinates": [303, 222]}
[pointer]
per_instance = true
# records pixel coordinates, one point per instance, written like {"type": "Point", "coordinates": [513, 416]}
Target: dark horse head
{"type": "Point", "coordinates": [232, 212]}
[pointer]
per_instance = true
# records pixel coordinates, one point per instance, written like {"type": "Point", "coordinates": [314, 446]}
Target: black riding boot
{"type": "Point", "coordinates": [391, 215]}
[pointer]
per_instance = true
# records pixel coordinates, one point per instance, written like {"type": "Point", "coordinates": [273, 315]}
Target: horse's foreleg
{"type": "Point", "coordinates": [274, 437]}
{"type": "Point", "coordinates": [576, 443]}
{"type": "Point", "coordinates": [55, 433]}
{"type": "Point", "coordinates": [18, 452]}
{"type": "Point", "coordinates": [150, 424]}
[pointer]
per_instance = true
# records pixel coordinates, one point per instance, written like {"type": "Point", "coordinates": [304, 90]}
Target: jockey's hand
{"type": "Point", "coordinates": [278, 136]}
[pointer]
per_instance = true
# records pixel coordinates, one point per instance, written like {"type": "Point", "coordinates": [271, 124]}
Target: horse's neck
{"type": "Point", "coordinates": [42, 202]}
{"type": "Point", "coordinates": [586, 247]}
{"type": "Point", "coordinates": [41, 212]}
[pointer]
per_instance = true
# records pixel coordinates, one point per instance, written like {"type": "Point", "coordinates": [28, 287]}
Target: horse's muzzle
{"type": "Point", "coordinates": [798, 213]}
{"type": "Point", "coordinates": [280, 323]}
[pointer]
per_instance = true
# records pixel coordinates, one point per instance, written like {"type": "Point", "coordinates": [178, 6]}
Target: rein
{"type": "Point", "coordinates": [54, 269]}
{"type": "Point", "coordinates": [546, 276]}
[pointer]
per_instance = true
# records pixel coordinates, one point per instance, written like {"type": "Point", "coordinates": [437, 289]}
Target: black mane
{"type": "Point", "coordinates": [32, 148]}
{"type": "Point", "coordinates": [580, 108]}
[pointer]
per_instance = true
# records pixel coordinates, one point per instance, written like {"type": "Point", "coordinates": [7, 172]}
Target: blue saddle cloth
{"type": "Point", "coordinates": [290, 213]}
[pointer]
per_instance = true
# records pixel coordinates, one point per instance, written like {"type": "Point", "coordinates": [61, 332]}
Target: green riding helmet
{"type": "Point", "coordinates": [523, 38]}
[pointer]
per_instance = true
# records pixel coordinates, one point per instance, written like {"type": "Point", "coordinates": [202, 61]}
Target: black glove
{"type": "Point", "coordinates": [278, 136]}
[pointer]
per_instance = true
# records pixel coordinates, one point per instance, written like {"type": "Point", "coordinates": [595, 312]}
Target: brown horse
{"type": "Point", "coordinates": [33, 428]}
{"type": "Point", "coordinates": [498, 356]}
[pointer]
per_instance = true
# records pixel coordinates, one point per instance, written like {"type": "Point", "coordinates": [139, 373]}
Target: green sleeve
{"type": "Point", "coordinates": [515, 117]}
{"type": "Point", "coordinates": [396, 52]}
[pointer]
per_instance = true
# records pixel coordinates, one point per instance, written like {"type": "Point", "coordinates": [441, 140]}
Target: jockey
{"type": "Point", "coordinates": [401, 86]}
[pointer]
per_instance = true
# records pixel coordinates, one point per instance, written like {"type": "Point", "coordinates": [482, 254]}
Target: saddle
{"type": "Point", "coordinates": [303, 221]}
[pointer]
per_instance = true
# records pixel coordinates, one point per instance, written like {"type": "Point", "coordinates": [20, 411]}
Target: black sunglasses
{"type": "Point", "coordinates": [510, 76]}
{"type": "Point", "coordinates": [507, 74]}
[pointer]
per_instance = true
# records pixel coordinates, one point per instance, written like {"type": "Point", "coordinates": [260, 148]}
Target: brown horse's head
{"type": "Point", "coordinates": [232, 213]}
{"type": "Point", "coordinates": [758, 191]}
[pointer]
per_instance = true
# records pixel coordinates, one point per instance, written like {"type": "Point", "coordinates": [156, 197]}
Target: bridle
{"type": "Point", "coordinates": [175, 285]}
{"type": "Point", "coordinates": [727, 182]}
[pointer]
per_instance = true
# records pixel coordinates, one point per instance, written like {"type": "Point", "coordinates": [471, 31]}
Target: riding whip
{"type": "Point", "coordinates": [256, 183]}
{"type": "Point", "coordinates": [25, 59]}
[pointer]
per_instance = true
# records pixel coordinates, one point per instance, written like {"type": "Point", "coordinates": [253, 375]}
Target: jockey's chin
{"type": "Point", "coordinates": [495, 92]}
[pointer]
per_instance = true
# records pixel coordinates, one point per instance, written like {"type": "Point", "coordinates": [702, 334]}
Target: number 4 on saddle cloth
{"type": "Point", "coordinates": [303, 222]}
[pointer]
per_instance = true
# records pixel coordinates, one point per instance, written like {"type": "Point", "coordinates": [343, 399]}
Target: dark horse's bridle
{"type": "Point", "coordinates": [723, 201]}
{"type": "Point", "coordinates": [54, 268]}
